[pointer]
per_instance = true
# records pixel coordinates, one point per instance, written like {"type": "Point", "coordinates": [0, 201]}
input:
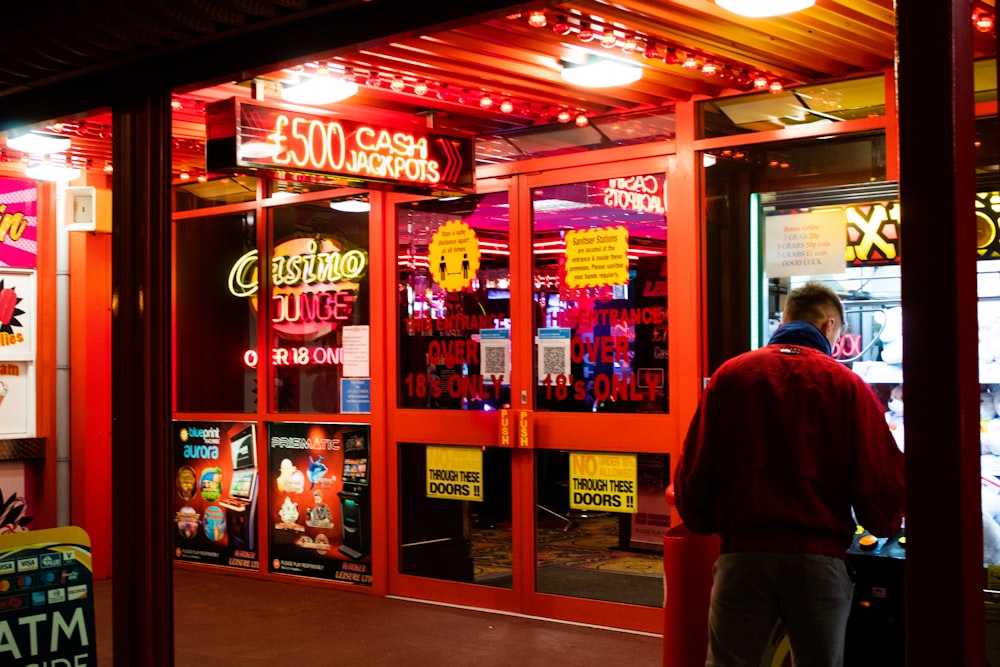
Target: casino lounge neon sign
{"type": "Point", "coordinates": [314, 284]}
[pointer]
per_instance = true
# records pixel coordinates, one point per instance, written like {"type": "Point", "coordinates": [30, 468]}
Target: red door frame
{"type": "Point", "coordinates": [558, 430]}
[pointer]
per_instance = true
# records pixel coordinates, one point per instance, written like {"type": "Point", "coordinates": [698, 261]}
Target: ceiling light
{"type": "Point", "coordinates": [39, 143]}
{"type": "Point", "coordinates": [46, 171]}
{"type": "Point", "coordinates": [762, 8]}
{"type": "Point", "coordinates": [319, 89]}
{"type": "Point", "coordinates": [351, 205]}
{"type": "Point", "coordinates": [258, 149]}
{"type": "Point", "coordinates": [597, 72]}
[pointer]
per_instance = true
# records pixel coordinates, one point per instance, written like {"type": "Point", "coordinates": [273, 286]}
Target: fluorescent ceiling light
{"type": "Point", "coordinates": [549, 205]}
{"type": "Point", "coordinates": [42, 171]}
{"type": "Point", "coordinates": [761, 8]}
{"type": "Point", "coordinates": [320, 89]}
{"type": "Point", "coordinates": [40, 143]}
{"type": "Point", "coordinates": [597, 72]}
{"type": "Point", "coordinates": [351, 206]}
{"type": "Point", "coordinates": [258, 149]}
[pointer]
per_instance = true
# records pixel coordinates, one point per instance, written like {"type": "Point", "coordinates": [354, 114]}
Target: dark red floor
{"type": "Point", "coordinates": [227, 621]}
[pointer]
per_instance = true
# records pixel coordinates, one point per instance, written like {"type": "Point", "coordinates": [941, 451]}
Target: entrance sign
{"type": "Point", "coordinates": [252, 135]}
{"type": "Point", "coordinates": [603, 482]}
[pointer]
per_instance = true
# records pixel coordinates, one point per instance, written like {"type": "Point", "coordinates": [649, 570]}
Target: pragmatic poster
{"type": "Point", "coordinates": [320, 506]}
{"type": "Point", "coordinates": [215, 493]}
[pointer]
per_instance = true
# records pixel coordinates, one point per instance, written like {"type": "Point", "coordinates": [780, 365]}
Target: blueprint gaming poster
{"type": "Point", "coordinates": [47, 598]}
{"type": "Point", "coordinates": [315, 501]}
{"type": "Point", "coordinates": [215, 493]}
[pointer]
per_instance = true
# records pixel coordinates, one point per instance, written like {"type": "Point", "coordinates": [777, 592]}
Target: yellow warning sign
{"type": "Point", "coordinates": [597, 257]}
{"type": "Point", "coordinates": [454, 255]}
{"type": "Point", "coordinates": [604, 482]}
{"type": "Point", "coordinates": [455, 472]}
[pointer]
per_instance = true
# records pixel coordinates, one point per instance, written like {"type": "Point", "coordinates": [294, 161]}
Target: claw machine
{"type": "Point", "coordinates": [848, 237]}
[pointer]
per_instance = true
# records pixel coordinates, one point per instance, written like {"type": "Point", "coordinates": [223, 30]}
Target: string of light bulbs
{"type": "Point", "coordinates": [630, 42]}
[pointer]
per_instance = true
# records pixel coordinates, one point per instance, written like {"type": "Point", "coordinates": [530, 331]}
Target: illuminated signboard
{"type": "Point", "coordinates": [252, 135]}
{"type": "Point", "coordinates": [872, 234]}
{"type": "Point", "coordinates": [314, 284]}
{"type": "Point", "coordinates": [873, 231]}
{"type": "Point", "coordinates": [18, 223]}
{"type": "Point", "coordinates": [643, 194]}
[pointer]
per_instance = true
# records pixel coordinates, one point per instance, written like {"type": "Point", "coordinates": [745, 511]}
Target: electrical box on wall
{"type": "Point", "coordinates": [87, 209]}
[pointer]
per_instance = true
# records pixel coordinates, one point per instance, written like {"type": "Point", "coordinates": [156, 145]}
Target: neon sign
{"type": "Point", "coordinates": [643, 194]}
{"type": "Point", "coordinates": [290, 140]}
{"type": "Point", "coordinates": [313, 286]}
{"type": "Point", "coordinates": [872, 234]}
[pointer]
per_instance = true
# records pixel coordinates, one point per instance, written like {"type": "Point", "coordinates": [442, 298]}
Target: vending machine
{"type": "Point", "coordinates": [241, 505]}
{"type": "Point", "coordinates": [847, 237]}
{"type": "Point", "coordinates": [355, 504]}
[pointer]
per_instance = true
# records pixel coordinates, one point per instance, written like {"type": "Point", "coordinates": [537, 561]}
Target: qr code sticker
{"type": "Point", "coordinates": [494, 360]}
{"type": "Point", "coordinates": [553, 361]}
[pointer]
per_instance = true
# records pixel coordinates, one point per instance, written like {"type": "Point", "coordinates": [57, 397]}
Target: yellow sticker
{"type": "Point", "coordinates": [993, 577]}
{"type": "Point", "coordinates": [603, 481]}
{"type": "Point", "coordinates": [455, 472]}
{"type": "Point", "coordinates": [597, 257]}
{"type": "Point", "coordinates": [454, 255]}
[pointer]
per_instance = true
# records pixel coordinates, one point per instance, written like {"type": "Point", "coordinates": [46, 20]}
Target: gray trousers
{"type": "Point", "coordinates": [810, 595]}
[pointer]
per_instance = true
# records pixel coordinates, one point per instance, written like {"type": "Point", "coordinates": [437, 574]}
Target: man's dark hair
{"type": "Point", "coordinates": [813, 302]}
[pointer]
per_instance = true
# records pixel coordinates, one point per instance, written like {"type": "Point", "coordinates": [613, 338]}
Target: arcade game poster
{"type": "Point", "coordinates": [319, 502]}
{"type": "Point", "coordinates": [215, 493]}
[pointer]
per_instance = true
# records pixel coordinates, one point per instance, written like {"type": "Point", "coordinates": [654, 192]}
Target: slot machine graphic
{"type": "Point", "coordinates": [355, 506]}
{"type": "Point", "coordinates": [241, 505]}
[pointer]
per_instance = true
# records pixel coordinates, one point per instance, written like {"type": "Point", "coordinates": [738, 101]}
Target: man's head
{"type": "Point", "coordinates": [820, 306]}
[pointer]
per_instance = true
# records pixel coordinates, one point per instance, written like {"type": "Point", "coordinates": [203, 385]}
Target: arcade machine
{"type": "Point", "coordinates": [847, 238]}
{"type": "Point", "coordinates": [355, 505]}
{"type": "Point", "coordinates": [241, 505]}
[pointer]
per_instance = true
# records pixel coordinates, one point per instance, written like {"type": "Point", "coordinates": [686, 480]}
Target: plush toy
{"type": "Point", "coordinates": [991, 525]}
{"type": "Point", "coordinates": [989, 327]}
{"type": "Point", "coordinates": [993, 426]}
{"type": "Point", "coordinates": [892, 336]}
{"type": "Point", "coordinates": [987, 414]}
{"type": "Point", "coordinates": [894, 416]}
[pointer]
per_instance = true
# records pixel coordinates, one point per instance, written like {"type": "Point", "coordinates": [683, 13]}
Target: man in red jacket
{"type": "Point", "coordinates": [785, 443]}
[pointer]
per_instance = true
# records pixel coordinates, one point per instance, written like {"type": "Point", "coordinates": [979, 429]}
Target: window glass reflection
{"type": "Point", "coordinates": [600, 292]}
{"type": "Point", "coordinates": [454, 303]}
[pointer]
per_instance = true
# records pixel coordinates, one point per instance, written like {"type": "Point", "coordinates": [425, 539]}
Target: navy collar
{"type": "Point", "coordinates": [802, 333]}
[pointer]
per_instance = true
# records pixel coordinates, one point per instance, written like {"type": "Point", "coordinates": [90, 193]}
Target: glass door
{"type": "Point", "coordinates": [536, 394]}
{"type": "Point", "coordinates": [452, 484]}
{"type": "Point", "coordinates": [601, 393]}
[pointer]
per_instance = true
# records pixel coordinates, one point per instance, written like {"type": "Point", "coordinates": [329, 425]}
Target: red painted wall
{"type": "Point", "coordinates": [90, 393]}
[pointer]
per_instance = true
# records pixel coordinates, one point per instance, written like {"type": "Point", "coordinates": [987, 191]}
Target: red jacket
{"type": "Point", "coordinates": [784, 443]}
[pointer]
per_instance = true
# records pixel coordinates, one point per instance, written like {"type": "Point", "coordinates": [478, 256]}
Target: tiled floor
{"type": "Point", "coordinates": [223, 620]}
